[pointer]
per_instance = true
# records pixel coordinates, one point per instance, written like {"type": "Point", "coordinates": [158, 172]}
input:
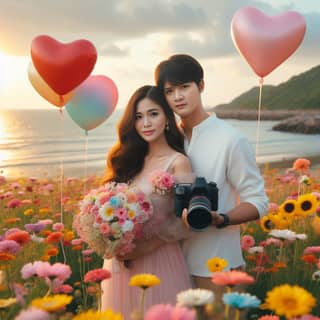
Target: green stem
{"type": "Point", "coordinates": [237, 315]}
{"type": "Point", "coordinates": [142, 303]}
{"type": "Point", "coordinates": [99, 297]}
{"type": "Point", "coordinates": [226, 308]}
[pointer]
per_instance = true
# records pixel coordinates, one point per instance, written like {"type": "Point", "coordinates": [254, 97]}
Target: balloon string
{"type": "Point", "coordinates": [259, 116]}
{"type": "Point", "coordinates": [61, 168]}
{"type": "Point", "coordinates": [61, 100]}
{"type": "Point", "coordinates": [85, 161]}
{"type": "Point", "coordinates": [61, 185]}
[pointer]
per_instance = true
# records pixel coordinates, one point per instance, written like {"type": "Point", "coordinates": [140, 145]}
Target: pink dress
{"type": "Point", "coordinates": [167, 262]}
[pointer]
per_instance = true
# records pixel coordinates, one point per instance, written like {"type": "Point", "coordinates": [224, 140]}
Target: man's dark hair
{"type": "Point", "coordinates": [178, 69]}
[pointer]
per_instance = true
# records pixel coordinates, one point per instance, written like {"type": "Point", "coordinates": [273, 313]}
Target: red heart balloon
{"type": "Point", "coordinates": [63, 66]}
{"type": "Point", "coordinates": [265, 42]}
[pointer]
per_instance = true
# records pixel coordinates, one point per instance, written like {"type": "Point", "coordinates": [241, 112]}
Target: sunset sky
{"type": "Point", "coordinates": [133, 36]}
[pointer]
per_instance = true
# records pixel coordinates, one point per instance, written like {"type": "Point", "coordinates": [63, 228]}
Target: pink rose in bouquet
{"type": "Point", "coordinates": [161, 181]}
{"type": "Point", "coordinates": [111, 218]}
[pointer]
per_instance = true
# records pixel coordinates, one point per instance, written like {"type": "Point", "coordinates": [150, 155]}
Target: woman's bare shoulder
{"type": "Point", "coordinates": [181, 163]}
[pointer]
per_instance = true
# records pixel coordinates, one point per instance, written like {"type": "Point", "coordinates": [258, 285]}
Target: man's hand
{"type": "Point", "coordinates": [217, 219]}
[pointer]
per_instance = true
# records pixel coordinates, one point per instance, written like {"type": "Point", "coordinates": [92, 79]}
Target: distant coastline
{"type": "Point", "coordinates": [265, 115]}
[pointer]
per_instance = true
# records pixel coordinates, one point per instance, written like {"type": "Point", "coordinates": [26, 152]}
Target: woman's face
{"type": "Point", "coordinates": [150, 120]}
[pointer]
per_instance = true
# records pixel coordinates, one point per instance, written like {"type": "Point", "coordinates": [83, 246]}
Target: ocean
{"type": "Point", "coordinates": [42, 143]}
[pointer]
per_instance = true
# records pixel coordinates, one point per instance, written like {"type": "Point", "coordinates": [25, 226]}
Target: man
{"type": "Point", "coordinates": [219, 153]}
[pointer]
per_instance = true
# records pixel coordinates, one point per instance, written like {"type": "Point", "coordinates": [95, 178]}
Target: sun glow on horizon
{"type": "Point", "coordinates": [7, 71]}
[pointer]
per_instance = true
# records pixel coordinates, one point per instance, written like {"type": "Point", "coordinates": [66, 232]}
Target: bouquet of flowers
{"type": "Point", "coordinates": [161, 181]}
{"type": "Point", "coordinates": [111, 217]}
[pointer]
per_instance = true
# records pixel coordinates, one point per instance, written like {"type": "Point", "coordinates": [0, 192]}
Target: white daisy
{"type": "Point", "coordinates": [127, 226]}
{"type": "Point", "coordinates": [195, 297]}
{"type": "Point", "coordinates": [301, 236]}
{"type": "Point", "coordinates": [316, 276]}
{"type": "Point", "coordinates": [283, 234]}
{"type": "Point", "coordinates": [256, 249]}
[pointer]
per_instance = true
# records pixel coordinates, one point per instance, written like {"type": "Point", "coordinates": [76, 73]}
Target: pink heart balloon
{"type": "Point", "coordinates": [265, 42]}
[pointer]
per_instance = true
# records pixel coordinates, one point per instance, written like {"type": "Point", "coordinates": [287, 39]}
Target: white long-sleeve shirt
{"type": "Point", "coordinates": [223, 155]}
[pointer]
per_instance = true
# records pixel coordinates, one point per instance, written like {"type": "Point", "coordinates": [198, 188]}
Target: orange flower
{"type": "Point", "coordinates": [310, 258]}
{"type": "Point", "coordinates": [280, 265]}
{"type": "Point", "coordinates": [54, 237]}
{"type": "Point", "coordinates": [6, 256]}
{"type": "Point", "coordinates": [45, 258]}
{"type": "Point", "coordinates": [231, 278]}
{"type": "Point", "coordinates": [52, 252]}
{"type": "Point", "coordinates": [301, 165]}
{"type": "Point", "coordinates": [77, 248]}
{"type": "Point", "coordinates": [12, 220]}
{"type": "Point", "coordinates": [45, 232]}
{"type": "Point", "coordinates": [69, 235]}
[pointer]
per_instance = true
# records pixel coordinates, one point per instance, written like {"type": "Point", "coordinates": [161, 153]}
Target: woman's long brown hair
{"type": "Point", "coordinates": [126, 158]}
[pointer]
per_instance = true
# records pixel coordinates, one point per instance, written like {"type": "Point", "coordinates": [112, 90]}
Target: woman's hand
{"type": "Point", "coordinates": [142, 248]}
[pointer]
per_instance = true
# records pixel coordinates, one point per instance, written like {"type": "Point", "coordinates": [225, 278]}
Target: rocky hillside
{"type": "Point", "coordinates": [299, 92]}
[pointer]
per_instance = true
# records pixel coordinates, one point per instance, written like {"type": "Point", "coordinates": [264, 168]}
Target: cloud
{"type": "Point", "coordinates": [214, 40]}
{"type": "Point", "coordinates": [200, 28]}
{"type": "Point", "coordinates": [21, 21]}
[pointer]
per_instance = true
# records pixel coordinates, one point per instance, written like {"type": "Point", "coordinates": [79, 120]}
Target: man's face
{"type": "Point", "coordinates": [184, 99]}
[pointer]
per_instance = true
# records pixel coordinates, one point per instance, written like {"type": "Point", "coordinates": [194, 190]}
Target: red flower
{"type": "Point", "coordinates": [14, 203]}
{"type": "Point", "coordinates": [97, 275]}
{"type": "Point", "coordinates": [54, 237]}
{"type": "Point", "coordinates": [22, 237]}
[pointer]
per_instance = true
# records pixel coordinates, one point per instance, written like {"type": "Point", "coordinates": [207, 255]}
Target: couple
{"type": "Point", "coordinates": [149, 139]}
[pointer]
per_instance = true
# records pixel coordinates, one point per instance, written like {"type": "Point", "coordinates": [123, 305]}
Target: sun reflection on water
{"type": "Point", "coordinates": [4, 153]}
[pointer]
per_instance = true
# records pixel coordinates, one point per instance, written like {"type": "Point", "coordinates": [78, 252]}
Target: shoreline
{"type": "Point", "coordinates": [98, 170]}
{"type": "Point", "coordinates": [265, 115]}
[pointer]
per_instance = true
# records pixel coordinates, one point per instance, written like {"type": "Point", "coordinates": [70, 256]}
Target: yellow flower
{"type": "Point", "coordinates": [52, 303]}
{"type": "Point", "coordinates": [97, 315]}
{"type": "Point", "coordinates": [131, 214]}
{"type": "Point", "coordinates": [28, 212]}
{"type": "Point", "coordinates": [307, 204]}
{"type": "Point", "coordinates": [69, 235]}
{"type": "Point", "coordinates": [43, 211]}
{"type": "Point", "coordinates": [216, 264]}
{"type": "Point", "coordinates": [144, 280]}
{"type": "Point", "coordinates": [269, 222]}
{"type": "Point", "coordinates": [5, 303]}
{"type": "Point", "coordinates": [289, 301]}
{"type": "Point", "coordinates": [288, 208]}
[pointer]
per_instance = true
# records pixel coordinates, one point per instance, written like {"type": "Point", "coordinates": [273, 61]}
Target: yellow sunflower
{"type": "Point", "coordinates": [5, 303]}
{"type": "Point", "coordinates": [144, 280]}
{"type": "Point", "coordinates": [97, 315]}
{"type": "Point", "coordinates": [307, 204]}
{"type": "Point", "coordinates": [52, 303]}
{"type": "Point", "coordinates": [266, 223]}
{"type": "Point", "coordinates": [216, 264]}
{"type": "Point", "coordinates": [270, 222]}
{"type": "Point", "coordinates": [288, 208]}
{"type": "Point", "coordinates": [289, 301]}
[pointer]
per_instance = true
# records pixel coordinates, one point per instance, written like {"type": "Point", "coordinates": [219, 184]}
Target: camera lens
{"type": "Point", "coordinates": [199, 212]}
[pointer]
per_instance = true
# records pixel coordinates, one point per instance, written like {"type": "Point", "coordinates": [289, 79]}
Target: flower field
{"type": "Point", "coordinates": [48, 272]}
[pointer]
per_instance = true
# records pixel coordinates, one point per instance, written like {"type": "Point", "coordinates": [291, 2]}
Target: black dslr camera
{"type": "Point", "coordinates": [200, 198]}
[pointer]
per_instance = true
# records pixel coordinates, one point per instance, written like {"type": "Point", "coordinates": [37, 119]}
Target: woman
{"type": "Point", "coordinates": [149, 140]}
